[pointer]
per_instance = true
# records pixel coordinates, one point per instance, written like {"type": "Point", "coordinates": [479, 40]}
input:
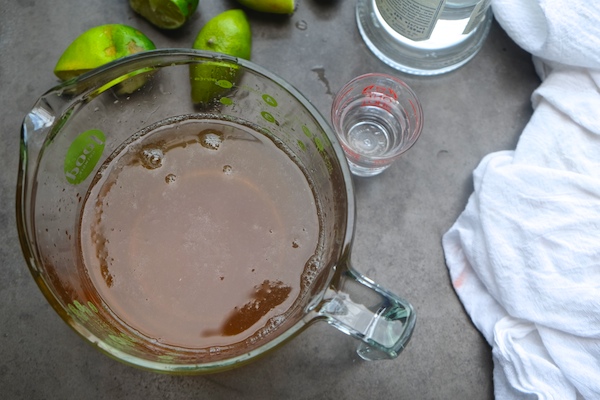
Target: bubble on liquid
{"type": "Point", "coordinates": [302, 25]}
{"type": "Point", "coordinates": [311, 270]}
{"type": "Point", "coordinates": [211, 140]}
{"type": "Point", "coordinates": [170, 178]}
{"type": "Point", "coordinates": [227, 169]}
{"type": "Point", "coordinates": [151, 158]}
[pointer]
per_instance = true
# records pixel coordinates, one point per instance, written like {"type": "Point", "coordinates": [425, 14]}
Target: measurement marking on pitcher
{"type": "Point", "coordinates": [83, 155]}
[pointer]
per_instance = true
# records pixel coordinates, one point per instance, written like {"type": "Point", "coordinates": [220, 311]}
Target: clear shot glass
{"type": "Point", "coordinates": [376, 117]}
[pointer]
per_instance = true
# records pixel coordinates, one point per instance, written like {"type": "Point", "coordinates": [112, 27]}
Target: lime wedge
{"type": "Point", "coordinates": [165, 14]}
{"type": "Point", "coordinates": [270, 6]}
{"type": "Point", "coordinates": [228, 33]}
{"type": "Point", "coordinates": [100, 45]}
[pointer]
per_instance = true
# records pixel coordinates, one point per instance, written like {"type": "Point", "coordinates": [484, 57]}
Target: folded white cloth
{"type": "Point", "coordinates": [524, 256]}
{"type": "Point", "coordinates": [563, 31]}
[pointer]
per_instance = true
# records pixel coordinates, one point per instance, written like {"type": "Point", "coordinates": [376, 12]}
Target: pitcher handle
{"type": "Point", "coordinates": [382, 321]}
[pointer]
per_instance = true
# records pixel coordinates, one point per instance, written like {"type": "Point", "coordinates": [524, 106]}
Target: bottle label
{"type": "Point", "coordinates": [477, 15]}
{"type": "Point", "coordinates": [413, 19]}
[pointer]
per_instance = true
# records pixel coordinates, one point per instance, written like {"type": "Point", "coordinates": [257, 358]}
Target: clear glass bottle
{"type": "Point", "coordinates": [424, 37]}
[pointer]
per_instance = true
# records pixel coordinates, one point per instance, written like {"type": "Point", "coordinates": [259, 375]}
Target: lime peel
{"type": "Point", "coordinates": [165, 14]}
{"type": "Point", "coordinates": [98, 46]}
{"type": "Point", "coordinates": [227, 33]}
{"type": "Point", "coordinates": [270, 6]}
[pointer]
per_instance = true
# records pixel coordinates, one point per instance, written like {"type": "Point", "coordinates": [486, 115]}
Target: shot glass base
{"type": "Point", "coordinates": [365, 172]}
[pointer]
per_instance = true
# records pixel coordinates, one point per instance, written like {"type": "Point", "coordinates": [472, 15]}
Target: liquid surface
{"type": "Point", "coordinates": [373, 131]}
{"type": "Point", "coordinates": [448, 31]}
{"type": "Point", "coordinates": [438, 45]}
{"type": "Point", "coordinates": [197, 234]}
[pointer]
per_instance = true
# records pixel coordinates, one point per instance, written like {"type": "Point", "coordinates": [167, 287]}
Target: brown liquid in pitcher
{"type": "Point", "coordinates": [197, 233]}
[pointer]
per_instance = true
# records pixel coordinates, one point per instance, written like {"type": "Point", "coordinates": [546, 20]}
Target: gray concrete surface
{"type": "Point", "coordinates": [402, 214]}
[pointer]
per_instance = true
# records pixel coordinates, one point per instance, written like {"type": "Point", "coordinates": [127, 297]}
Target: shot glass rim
{"type": "Point", "coordinates": [412, 98]}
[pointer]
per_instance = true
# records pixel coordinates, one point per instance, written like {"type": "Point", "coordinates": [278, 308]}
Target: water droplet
{"type": "Point", "coordinates": [151, 158]}
{"type": "Point", "coordinates": [211, 140]}
{"type": "Point", "coordinates": [170, 178]}
{"type": "Point", "coordinates": [302, 25]}
{"type": "Point", "coordinates": [227, 169]}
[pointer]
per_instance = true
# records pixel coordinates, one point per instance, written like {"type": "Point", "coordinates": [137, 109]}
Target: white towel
{"type": "Point", "coordinates": [524, 256]}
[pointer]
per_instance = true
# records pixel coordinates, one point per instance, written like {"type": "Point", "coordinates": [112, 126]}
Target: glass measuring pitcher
{"type": "Point", "coordinates": [123, 284]}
